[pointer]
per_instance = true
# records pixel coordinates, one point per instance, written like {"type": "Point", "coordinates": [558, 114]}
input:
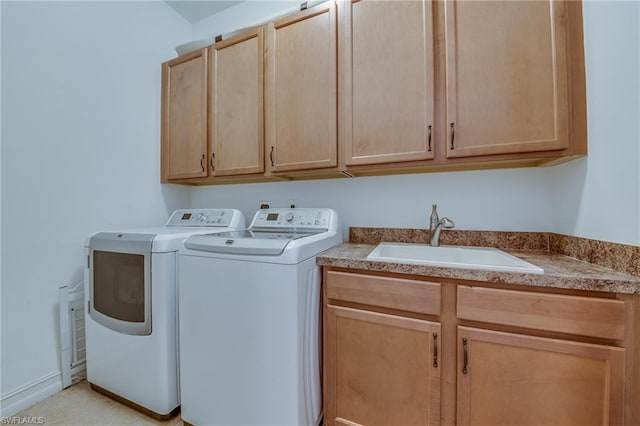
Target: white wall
{"type": "Point", "coordinates": [242, 15]}
{"type": "Point", "coordinates": [596, 197]}
{"type": "Point", "coordinates": [499, 200]}
{"type": "Point", "coordinates": [80, 153]}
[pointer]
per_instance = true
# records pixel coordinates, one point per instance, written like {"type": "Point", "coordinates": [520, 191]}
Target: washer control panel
{"type": "Point", "coordinates": [203, 217]}
{"type": "Point", "coordinates": [292, 218]}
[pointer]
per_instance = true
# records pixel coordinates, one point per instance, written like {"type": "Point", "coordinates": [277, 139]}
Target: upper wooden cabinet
{"type": "Point", "coordinates": [362, 87]}
{"type": "Point", "coordinates": [301, 90]}
{"type": "Point", "coordinates": [237, 120]}
{"type": "Point", "coordinates": [184, 116]}
{"type": "Point", "coordinates": [506, 77]}
{"type": "Point", "coordinates": [387, 73]}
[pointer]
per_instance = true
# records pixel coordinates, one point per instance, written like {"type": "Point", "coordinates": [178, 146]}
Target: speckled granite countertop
{"type": "Point", "coordinates": [560, 271]}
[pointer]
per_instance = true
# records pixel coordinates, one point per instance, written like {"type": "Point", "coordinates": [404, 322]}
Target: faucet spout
{"type": "Point", "coordinates": [433, 220]}
{"type": "Point", "coordinates": [445, 223]}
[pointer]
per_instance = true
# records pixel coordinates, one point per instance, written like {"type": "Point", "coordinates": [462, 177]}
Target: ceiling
{"type": "Point", "coordinates": [196, 10]}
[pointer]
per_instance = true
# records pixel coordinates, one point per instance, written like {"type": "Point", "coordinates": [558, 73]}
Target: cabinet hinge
{"type": "Point", "coordinates": [88, 261]}
{"type": "Point", "coordinates": [218, 38]}
{"type": "Point", "coordinates": [304, 6]}
{"type": "Point", "coordinates": [88, 306]}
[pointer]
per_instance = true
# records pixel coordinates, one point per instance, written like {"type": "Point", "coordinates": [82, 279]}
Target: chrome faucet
{"type": "Point", "coordinates": [436, 224]}
{"type": "Point", "coordinates": [433, 221]}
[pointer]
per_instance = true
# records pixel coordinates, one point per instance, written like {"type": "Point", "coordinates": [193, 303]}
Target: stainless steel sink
{"type": "Point", "coordinates": [487, 258]}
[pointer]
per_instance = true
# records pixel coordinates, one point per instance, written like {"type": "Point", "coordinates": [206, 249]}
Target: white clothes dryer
{"type": "Point", "coordinates": [249, 320]}
{"type": "Point", "coordinates": [131, 320]}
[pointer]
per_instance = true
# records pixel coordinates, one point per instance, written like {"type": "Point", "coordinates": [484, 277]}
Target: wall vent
{"type": "Point", "coordinates": [73, 351]}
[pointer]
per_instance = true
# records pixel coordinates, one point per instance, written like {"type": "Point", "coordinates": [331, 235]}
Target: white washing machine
{"type": "Point", "coordinates": [249, 320]}
{"type": "Point", "coordinates": [131, 320]}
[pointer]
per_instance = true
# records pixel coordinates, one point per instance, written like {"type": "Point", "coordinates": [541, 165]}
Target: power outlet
{"type": "Point", "coordinates": [264, 205]}
{"type": "Point", "coordinates": [293, 203]}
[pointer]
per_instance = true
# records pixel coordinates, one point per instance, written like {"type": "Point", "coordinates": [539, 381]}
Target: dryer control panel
{"type": "Point", "coordinates": [307, 218]}
{"type": "Point", "coordinates": [206, 217]}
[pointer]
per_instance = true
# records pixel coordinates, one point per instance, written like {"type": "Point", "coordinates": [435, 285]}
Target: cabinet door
{"type": "Point", "coordinates": [387, 101]}
{"type": "Point", "coordinates": [237, 122]}
{"type": "Point", "coordinates": [301, 90]}
{"type": "Point", "coordinates": [506, 77]}
{"type": "Point", "coordinates": [513, 379]}
{"type": "Point", "coordinates": [184, 116]}
{"type": "Point", "coordinates": [380, 369]}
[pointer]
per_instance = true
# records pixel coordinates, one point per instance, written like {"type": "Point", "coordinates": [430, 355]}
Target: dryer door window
{"type": "Point", "coordinates": [118, 285]}
{"type": "Point", "coordinates": [120, 281]}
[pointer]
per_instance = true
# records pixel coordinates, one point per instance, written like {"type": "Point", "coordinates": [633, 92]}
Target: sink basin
{"type": "Point", "coordinates": [487, 258]}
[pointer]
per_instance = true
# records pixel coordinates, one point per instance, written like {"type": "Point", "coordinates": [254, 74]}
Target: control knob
{"type": "Point", "coordinates": [289, 217]}
{"type": "Point", "coordinates": [200, 217]}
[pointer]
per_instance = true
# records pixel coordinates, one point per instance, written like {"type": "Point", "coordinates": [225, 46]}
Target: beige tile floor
{"type": "Point", "coordinates": [82, 406]}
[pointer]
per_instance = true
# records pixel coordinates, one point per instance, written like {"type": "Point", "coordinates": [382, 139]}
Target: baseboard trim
{"type": "Point", "coordinates": [29, 394]}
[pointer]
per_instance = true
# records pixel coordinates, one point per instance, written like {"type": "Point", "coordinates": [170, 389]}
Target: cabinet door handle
{"type": "Point", "coordinates": [271, 156]}
{"type": "Point", "coordinates": [452, 126]}
{"type": "Point", "coordinates": [465, 356]}
{"type": "Point", "coordinates": [435, 350]}
{"type": "Point", "coordinates": [202, 162]}
{"type": "Point", "coordinates": [211, 162]}
{"type": "Point", "coordinates": [429, 138]}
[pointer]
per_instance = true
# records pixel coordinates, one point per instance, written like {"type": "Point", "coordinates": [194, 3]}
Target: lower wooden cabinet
{"type": "Point", "coordinates": [380, 369]}
{"type": "Point", "coordinates": [477, 355]}
{"type": "Point", "coordinates": [507, 379]}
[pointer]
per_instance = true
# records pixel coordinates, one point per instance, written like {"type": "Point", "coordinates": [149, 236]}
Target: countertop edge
{"type": "Point", "coordinates": [560, 271]}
